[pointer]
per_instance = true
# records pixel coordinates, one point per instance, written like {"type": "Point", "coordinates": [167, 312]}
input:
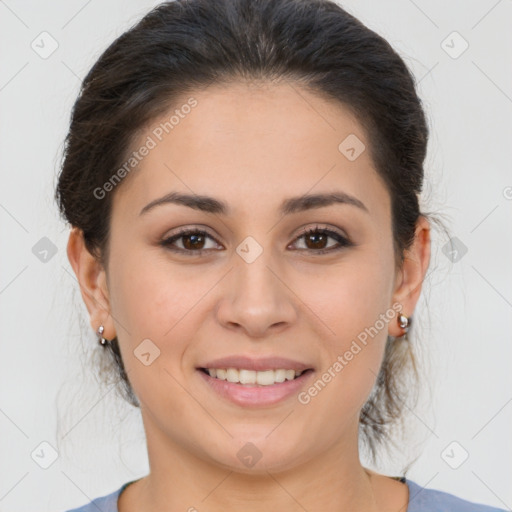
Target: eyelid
{"type": "Point", "coordinates": [321, 227]}
{"type": "Point", "coordinates": [194, 228]}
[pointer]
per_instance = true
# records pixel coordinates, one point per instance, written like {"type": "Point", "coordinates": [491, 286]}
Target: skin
{"type": "Point", "coordinates": [252, 146]}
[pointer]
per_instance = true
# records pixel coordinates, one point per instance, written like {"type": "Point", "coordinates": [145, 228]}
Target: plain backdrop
{"type": "Point", "coordinates": [92, 441]}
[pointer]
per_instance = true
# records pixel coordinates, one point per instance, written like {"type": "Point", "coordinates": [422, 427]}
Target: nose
{"type": "Point", "coordinates": [256, 298]}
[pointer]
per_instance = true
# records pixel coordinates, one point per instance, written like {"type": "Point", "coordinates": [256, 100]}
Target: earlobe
{"type": "Point", "coordinates": [412, 273]}
{"type": "Point", "coordinates": [91, 278]}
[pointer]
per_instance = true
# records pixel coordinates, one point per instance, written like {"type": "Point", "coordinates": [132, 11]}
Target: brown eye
{"type": "Point", "coordinates": [192, 241]}
{"type": "Point", "coordinates": [316, 240]}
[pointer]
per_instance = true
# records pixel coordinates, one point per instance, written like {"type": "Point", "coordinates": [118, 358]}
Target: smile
{"type": "Point", "coordinates": [255, 388]}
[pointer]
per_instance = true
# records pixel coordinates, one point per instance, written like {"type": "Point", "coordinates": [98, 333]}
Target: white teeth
{"type": "Point", "coordinates": [267, 377]}
{"type": "Point", "coordinates": [247, 377]}
{"type": "Point", "coordinates": [290, 374]}
{"type": "Point", "coordinates": [280, 375]}
{"type": "Point", "coordinates": [263, 378]}
{"type": "Point", "coordinates": [232, 375]}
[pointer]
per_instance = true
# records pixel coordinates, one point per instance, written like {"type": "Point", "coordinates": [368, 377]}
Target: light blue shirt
{"type": "Point", "coordinates": [421, 499]}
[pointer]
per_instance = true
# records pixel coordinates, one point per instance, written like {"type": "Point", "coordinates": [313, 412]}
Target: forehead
{"type": "Point", "coordinates": [250, 144]}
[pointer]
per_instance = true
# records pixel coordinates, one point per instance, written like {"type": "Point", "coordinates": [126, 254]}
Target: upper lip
{"type": "Point", "coordinates": [257, 364]}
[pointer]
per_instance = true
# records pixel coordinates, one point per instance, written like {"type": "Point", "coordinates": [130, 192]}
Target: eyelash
{"type": "Point", "coordinates": [342, 241]}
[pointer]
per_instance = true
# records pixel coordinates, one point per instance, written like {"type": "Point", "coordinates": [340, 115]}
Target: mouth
{"type": "Point", "coordinates": [250, 388]}
{"type": "Point", "coordinates": [249, 381]}
{"type": "Point", "coordinates": [252, 378]}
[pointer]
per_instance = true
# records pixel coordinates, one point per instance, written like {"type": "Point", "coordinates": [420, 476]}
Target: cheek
{"type": "Point", "coordinates": [149, 303]}
{"type": "Point", "coordinates": [137, 298]}
{"type": "Point", "coordinates": [348, 297]}
{"type": "Point", "coordinates": [153, 302]}
{"type": "Point", "coordinates": [149, 296]}
{"type": "Point", "coordinates": [350, 303]}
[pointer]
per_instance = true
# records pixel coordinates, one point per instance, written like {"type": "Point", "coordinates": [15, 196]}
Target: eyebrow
{"type": "Point", "coordinates": [288, 206]}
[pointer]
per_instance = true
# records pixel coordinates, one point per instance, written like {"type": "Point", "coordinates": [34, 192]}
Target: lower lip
{"type": "Point", "coordinates": [256, 396]}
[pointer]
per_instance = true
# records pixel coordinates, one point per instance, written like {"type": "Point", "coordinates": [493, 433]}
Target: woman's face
{"type": "Point", "coordinates": [255, 288]}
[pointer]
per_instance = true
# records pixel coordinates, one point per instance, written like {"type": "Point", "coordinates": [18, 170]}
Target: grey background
{"type": "Point", "coordinates": [48, 389]}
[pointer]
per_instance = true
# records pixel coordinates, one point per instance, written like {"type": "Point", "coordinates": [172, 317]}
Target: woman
{"type": "Point", "coordinates": [242, 181]}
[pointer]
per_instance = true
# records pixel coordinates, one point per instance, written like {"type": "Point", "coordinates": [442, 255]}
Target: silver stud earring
{"type": "Point", "coordinates": [102, 341]}
{"type": "Point", "coordinates": [404, 322]}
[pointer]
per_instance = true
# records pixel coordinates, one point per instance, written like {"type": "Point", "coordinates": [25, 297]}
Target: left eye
{"type": "Point", "coordinates": [193, 241]}
{"type": "Point", "coordinates": [318, 236]}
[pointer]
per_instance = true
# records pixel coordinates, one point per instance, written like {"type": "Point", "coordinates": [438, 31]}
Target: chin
{"type": "Point", "coordinates": [259, 454]}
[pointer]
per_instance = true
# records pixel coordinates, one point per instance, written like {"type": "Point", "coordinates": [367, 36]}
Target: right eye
{"type": "Point", "coordinates": [192, 241]}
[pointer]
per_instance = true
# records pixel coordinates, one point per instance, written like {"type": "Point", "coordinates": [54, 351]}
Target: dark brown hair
{"type": "Point", "coordinates": [182, 46]}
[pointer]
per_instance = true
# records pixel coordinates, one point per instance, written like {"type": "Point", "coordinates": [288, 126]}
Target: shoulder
{"type": "Point", "coordinates": [422, 499]}
{"type": "Point", "coordinates": [107, 503]}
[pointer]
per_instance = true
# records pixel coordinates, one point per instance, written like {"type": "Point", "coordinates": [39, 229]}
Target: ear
{"type": "Point", "coordinates": [91, 277]}
{"type": "Point", "coordinates": [410, 278]}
